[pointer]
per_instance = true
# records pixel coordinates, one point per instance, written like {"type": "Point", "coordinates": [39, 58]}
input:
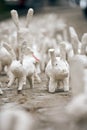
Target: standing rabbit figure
{"type": "Point", "coordinates": [23, 33]}
{"type": "Point", "coordinates": [57, 70]}
{"type": "Point", "coordinates": [16, 71]}
{"type": "Point", "coordinates": [24, 70]}
{"type": "Point", "coordinates": [79, 48]}
{"type": "Point", "coordinates": [6, 57]}
{"type": "Point", "coordinates": [12, 67]}
{"type": "Point", "coordinates": [29, 64]}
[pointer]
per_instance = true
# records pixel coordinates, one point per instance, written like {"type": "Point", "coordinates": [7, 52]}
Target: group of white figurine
{"type": "Point", "coordinates": [26, 59]}
{"type": "Point", "coordinates": [66, 66]}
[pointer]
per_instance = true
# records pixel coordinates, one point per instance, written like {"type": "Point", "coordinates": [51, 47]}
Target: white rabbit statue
{"type": "Point", "coordinates": [29, 65]}
{"type": "Point", "coordinates": [6, 57]}
{"type": "Point", "coordinates": [16, 117]}
{"type": "Point", "coordinates": [23, 33]}
{"type": "Point", "coordinates": [77, 107]}
{"type": "Point", "coordinates": [78, 47]}
{"type": "Point", "coordinates": [16, 71]}
{"type": "Point", "coordinates": [57, 70]}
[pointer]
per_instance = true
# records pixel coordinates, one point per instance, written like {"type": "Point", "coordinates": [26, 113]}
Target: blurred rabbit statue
{"type": "Point", "coordinates": [78, 47]}
{"type": "Point", "coordinates": [23, 33]}
{"type": "Point", "coordinates": [16, 117]}
{"type": "Point", "coordinates": [6, 57]}
{"type": "Point", "coordinates": [84, 44]}
{"type": "Point", "coordinates": [77, 107]}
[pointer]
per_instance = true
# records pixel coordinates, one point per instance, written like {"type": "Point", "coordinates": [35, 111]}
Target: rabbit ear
{"type": "Point", "coordinates": [62, 47]}
{"type": "Point", "coordinates": [29, 16]}
{"type": "Point", "coordinates": [73, 35]}
{"type": "Point", "coordinates": [84, 38]}
{"type": "Point", "coordinates": [72, 32]}
{"type": "Point", "coordinates": [74, 39]}
{"type": "Point", "coordinates": [52, 55]}
{"type": "Point", "coordinates": [9, 49]}
{"type": "Point", "coordinates": [84, 43]}
{"type": "Point", "coordinates": [15, 18]}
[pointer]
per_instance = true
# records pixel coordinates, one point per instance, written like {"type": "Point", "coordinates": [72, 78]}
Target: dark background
{"type": "Point", "coordinates": [22, 5]}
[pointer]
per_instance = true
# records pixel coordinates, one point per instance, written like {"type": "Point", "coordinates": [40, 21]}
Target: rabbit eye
{"type": "Point", "coordinates": [56, 63]}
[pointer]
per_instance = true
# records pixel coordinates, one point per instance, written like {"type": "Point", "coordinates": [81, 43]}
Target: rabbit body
{"type": "Point", "coordinates": [57, 71]}
{"type": "Point", "coordinates": [16, 70]}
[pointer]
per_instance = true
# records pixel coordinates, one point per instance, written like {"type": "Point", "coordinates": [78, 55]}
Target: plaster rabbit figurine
{"type": "Point", "coordinates": [6, 55]}
{"type": "Point", "coordinates": [69, 50]}
{"type": "Point", "coordinates": [28, 62]}
{"type": "Point", "coordinates": [16, 117]}
{"type": "Point", "coordinates": [23, 33]}
{"type": "Point", "coordinates": [13, 68]}
{"type": "Point", "coordinates": [68, 47]}
{"type": "Point", "coordinates": [77, 107]}
{"type": "Point", "coordinates": [57, 70]}
{"type": "Point", "coordinates": [24, 70]}
{"type": "Point", "coordinates": [16, 71]}
{"type": "Point", "coordinates": [78, 47]}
